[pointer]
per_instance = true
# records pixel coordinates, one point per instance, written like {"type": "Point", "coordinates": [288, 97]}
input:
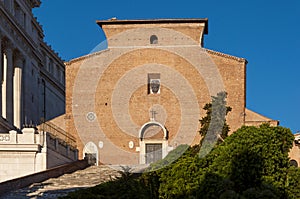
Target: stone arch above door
{"type": "Point", "coordinates": [145, 143]}
{"type": "Point", "coordinates": [149, 124]}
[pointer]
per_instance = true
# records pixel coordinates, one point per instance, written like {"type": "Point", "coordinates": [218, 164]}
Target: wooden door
{"type": "Point", "coordinates": [153, 153]}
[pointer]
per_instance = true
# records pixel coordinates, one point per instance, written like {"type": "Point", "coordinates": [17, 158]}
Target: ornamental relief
{"type": "Point", "coordinates": [155, 85]}
{"type": "Point", "coordinates": [4, 138]}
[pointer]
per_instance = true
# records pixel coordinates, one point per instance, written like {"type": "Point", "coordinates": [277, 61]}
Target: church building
{"type": "Point", "coordinates": [140, 98]}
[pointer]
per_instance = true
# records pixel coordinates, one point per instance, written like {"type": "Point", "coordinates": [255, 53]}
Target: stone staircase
{"type": "Point", "coordinates": [55, 187]}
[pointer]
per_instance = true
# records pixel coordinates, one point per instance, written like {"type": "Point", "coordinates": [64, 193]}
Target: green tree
{"type": "Point", "coordinates": [214, 128]}
{"type": "Point", "coordinates": [251, 163]}
{"type": "Point", "coordinates": [255, 159]}
{"type": "Point", "coordinates": [214, 121]}
{"type": "Point", "coordinates": [292, 183]}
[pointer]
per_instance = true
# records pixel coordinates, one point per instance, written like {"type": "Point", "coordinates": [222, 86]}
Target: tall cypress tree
{"type": "Point", "coordinates": [213, 124]}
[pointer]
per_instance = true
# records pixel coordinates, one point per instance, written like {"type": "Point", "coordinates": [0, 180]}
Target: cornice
{"type": "Point", "coordinates": [207, 50]}
{"type": "Point", "coordinates": [35, 3]}
{"type": "Point", "coordinates": [114, 21]}
{"type": "Point", "coordinates": [59, 86]}
{"type": "Point", "coordinates": [85, 57]}
{"type": "Point", "coordinates": [239, 59]}
{"type": "Point", "coordinates": [54, 54]}
{"type": "Point", "coordinates": [16, 33]}
{"type": "Point", "coordinates": [13, 30]}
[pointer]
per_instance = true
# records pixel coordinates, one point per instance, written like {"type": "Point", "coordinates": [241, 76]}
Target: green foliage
{"type": "Point", "coordinates": [180, 180]}
{"type": "Point", "coordinates": [266, 152]}
{"type": "Point", "coordinates": [254, 156]}
{"type": "Point", "coordinates": [251, 163]}
{"type": "Point", "coordinates": [214, 128]}
{"type": "Point", "coordinates": [215, 122]}
{"type": "Point", "coordinates": [292, 183]}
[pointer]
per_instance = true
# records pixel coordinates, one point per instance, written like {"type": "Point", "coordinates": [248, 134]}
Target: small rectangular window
{"type": "Point", "coordinates": [153, 83]}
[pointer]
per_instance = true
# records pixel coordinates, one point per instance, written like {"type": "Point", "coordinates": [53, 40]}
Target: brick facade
{"type": "Point", "coordinates": [108, 93]}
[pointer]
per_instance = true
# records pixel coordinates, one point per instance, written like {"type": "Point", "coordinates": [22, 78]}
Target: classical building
{"type": "Point", "coordinates": [143, 96]}
{"type": "Point", "coordinates": [32, 90]}
{"type": "Point", "coordinates": [32, 74]}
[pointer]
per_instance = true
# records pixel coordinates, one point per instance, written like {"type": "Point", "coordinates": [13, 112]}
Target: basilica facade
{"type": "Point", "coordinates": [142, 96]}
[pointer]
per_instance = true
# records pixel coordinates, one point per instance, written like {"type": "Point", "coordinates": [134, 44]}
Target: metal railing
{"type": "Point", "coordinates": [58, 132]}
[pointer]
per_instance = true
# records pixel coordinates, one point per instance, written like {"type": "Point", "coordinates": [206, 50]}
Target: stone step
{"type": "Point", "coordinates": [55, 187]}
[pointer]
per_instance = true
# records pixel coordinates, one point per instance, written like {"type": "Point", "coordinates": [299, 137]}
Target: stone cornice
{"type": "Point", "coordinates": [207, 50]}
{"type": "Point", "coordinates": [114, 21]}
{"type": "Point", "coordinates": [59, 86]}
{"type": "Point", "coordinates": [17, 34]}
{"type": "Point", "coordinates": [7, 44]}
{"type": "Point", "coordinates": [5, 126]}
{"type": "Point", "coordinates": [85, 57]}
{"type": "Point", "coordinates": [54, 54]}
{"type": "Point", "coordinates": [226, 55]}
{"type": "Point", "coordinates": [13, 30]}
{"type": "Point", "coordinates": [20, 147]}
{"type": "Point", "coordinates": [35, 3]}
{"type": "Point", "coordinates": [33, 18]}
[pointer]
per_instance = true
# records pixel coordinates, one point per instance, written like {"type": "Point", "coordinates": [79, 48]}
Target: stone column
{"type": "Point", "coordinates": [1, 69]}
{"type": "Point", "coordinates": [3, 85]}
{"type": "Point", "coordinates": [17, 91]}
{"type": "Point", "coordinates": [7, 90]}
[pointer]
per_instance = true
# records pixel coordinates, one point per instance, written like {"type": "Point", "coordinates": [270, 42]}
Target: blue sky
{"type": "Point", "coordinates": [266, 33]}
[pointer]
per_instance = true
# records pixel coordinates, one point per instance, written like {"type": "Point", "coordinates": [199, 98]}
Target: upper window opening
{"type": "Point", "coordinates": [153, 39]}
{"type": "Point", "coordinates": [154, 83]}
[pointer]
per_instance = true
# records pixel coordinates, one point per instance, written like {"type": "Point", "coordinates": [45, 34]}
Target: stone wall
{"type": "Point", "coordinates": [30, 152]}
{"type": "Point", "coordinates": [59, 151]}
{"type": "Point", "coordinates": [24, 181]}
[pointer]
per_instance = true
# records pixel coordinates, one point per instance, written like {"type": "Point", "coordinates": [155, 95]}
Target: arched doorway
{"type": "Point", "coordinates": [90, 152]}
{"type": "Point", "coordinates": [153, 142]}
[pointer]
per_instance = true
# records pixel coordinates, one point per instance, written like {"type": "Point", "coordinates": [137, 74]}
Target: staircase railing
{"type": "Point", "coordinates": [57, 132]}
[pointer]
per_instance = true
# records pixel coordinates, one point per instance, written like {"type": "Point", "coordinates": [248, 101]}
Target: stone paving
{"type": "Point", "coordinates": [55, 187]}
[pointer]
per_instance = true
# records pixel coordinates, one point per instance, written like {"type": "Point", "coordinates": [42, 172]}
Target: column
{"type": "Point", "coordinates": [7, 85]}
{"type": "Point", "coordinates": [3, 85]}
{"type": "Point", "coordinates": [1, 75]}
{"type": "Point", "coordinates": [17, 91]}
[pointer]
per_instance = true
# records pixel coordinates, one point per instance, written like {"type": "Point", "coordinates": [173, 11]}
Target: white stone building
{"type": "Point", "coordinates": [32, 151]}
{"type": "Point", "coordinates": [32, 74]}
{"type": "Point", "coordinates": [32, 89]}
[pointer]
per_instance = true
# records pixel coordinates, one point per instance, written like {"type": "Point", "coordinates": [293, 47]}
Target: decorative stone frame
{"type": "Point", "coordinates": [143, 141]}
